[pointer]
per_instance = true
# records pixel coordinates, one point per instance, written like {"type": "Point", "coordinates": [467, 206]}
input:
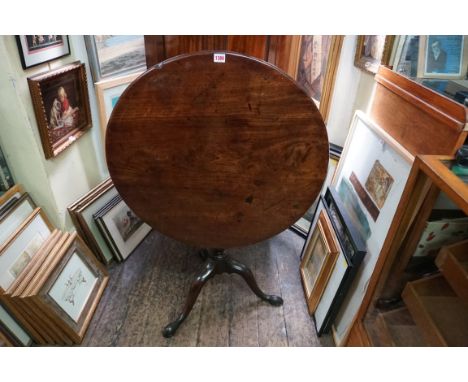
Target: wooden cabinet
{"type": "Point", "coordinates": [436, 306]}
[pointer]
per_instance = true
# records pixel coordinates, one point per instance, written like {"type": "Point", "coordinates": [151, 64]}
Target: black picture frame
{"type": "Point", "coordinates": [353, 250]}
{"type": "Point", "coordinates": [50, 49]}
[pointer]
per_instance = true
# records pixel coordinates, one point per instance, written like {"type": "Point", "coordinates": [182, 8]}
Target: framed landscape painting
{"type": "Point", "coordinates": [61, 104]}
{"type": "Point", "coordinates": [37, 49]}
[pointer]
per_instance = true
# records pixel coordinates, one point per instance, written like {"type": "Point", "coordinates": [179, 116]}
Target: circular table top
{"type": "Point", "coordinates": [217, 155]}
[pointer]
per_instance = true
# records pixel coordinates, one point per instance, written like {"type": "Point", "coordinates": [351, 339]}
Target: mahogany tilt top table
{"type": "Point", "coordinates": [217, 153]}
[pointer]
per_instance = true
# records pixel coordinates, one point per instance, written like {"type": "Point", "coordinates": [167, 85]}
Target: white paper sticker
{"type": "Point", "coordinates": [219, 57]}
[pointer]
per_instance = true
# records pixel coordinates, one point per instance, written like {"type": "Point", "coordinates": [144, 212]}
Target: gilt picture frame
{"type": "Point", "coordinates": [61, 105]}
{"type": "Point", "coordinates": [320, 254]}
{"type": "Point", "coordinates": [373, 51]}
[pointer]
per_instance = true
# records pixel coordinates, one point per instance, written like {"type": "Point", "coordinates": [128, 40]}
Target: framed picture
{"type": "Point", "coordinates": [121, 227]}
{"type": "Point", "coordinates": [406, 56]}
{"type": "Point", "coordinates": [61, 104]}
{"type": "Point", "coordinates": [114, 55]}
{"type": "Point", "coordinates": [444, 57]}
{"type": "Point", "coordinates": [71, 292]}
{"type": "Point", "coordinates": [373, 51]}
{"type": "Point", "coordinates": [108, 93]}
{"type": "Point", "coordinates": [12, 330]}
{"type": "Point", "coordinates": [320, 254]}
{"type": "Point", "coordinates": [37, 49]}
{"type": "Point", "coordinates": [6, 180]}
{"type": "Point", "coordinates": [369, 184]}
{"type": "Point", "coordinates": [22, 246]}
{"type": "Point", "coordinates": [15, 216]}
{"type": "Point", "coordinates": [302, 226]}
{"type": "Point", "coordinates": [9, 198]}
{"type": "Point", "coordinates": [82, 212]}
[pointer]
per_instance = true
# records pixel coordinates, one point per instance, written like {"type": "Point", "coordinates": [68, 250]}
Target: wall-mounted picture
{"type": "Point", "coordinates": [61, 104]}
{"type": "Point", "coordinates": [320, 253]}
{"type": "Point", "coordinates": [108, 93]}
{"type": "Point", "coordinates": [444, 57]}
{"type": "Point", "coordinates": [373, 51]}
{"type": "Point", "coordinates": [368, 181]}
{"type": "Point", "coordinates": [37, 49]}
{"type": "Point", "coordinates": [123, 230]}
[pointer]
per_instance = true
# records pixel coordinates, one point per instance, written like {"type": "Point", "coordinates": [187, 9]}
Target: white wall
{"type": "Point", "coordinates": [353, 90]}
{"type": "Point", "coordinates": [57, 182]}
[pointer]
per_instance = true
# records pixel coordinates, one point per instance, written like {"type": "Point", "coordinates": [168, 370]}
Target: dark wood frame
{"type": "Point", "coordinates": [323, 231]}
{"type": "Point", "coordinates": [23, 61]}
{"type": "Point", "coordinates": [52, 149]}
{"type": "Point", "coordinates": [360, 61]}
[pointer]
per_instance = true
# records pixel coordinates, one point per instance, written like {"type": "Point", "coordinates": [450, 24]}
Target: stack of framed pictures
{"type": "Point", "coordinates": [58, 293]}
{"type": "Point", "coordinates": [120, 227]}
{"type": "Point", "coordinates": [331, 258]}
{"type": "Point", "coordinates": [119, 232]}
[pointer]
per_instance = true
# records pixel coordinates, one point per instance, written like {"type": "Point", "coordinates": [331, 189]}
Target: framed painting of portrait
{"type": "Point", "coordinates": [61, 105]}
{"type": "Point", "coordinates": [37, 49]}
{"type": "Point", "coordinates": [108, 93]}
{"type": "Point", "coordinates": [444, 57]}
{"type": "Point", "coordinates": [320, 253]}
{"type": "Point", "coordinates": [369, 184]}
{"type": "Point", "coordinates": [373, 51]}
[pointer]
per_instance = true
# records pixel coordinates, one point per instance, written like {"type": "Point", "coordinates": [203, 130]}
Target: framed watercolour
{"type": "Point", "coordinates": [444, 57]}
{"type": "Point", "coordinates": [22, 246]}
{"type": "Point", "coordinates": [61, 104]}
{"type": "Point", "coordinates": [37, 49]}
{"type": "Point", "coordinates": [12, 330]}
{"type": "Point", "coordinates": [373, 51]}
{"type": "Point", "coordinates": [82, 212]}
{"type": "Point", "coordinates": [369, 184]}
{"type": "Point", "coordinates": [108, 93]}
{"type": "Point", "coordinates": [15, 216]}
{"type": "Point", "coordinates": [318, 260]}
{"type": "Point", "coordinates": [121, 227]}
{"type": "Point", "coordinates": [72, 291]}
{"type": "Point", "coordinates": [114, 55]}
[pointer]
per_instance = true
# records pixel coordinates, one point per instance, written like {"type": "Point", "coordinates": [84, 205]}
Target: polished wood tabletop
{"type": "Point", "coordinates": [217, 155]}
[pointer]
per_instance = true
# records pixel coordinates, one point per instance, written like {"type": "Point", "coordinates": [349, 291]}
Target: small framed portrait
{"type": "Point", "coordinates": [108, 93]}
{"type": "Point", "coordinates": [373, 51]}
{"type": "Point", "coordinates": [444, 57]}
{"type": "Point", "coordinates": [37, 49]}
{"type": "Point", "coordinates": [61, 104]}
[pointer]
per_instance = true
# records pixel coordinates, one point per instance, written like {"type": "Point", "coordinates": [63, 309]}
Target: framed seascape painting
{"type": "Point", "coordinates": [61, 104]}
{"type": "Point", "coordinates": [444, 57]}
{"type": "Point", "coordinates": [108, 93]}
{"type": "Point", "coordinates": [373, 51]}
{"type": "Point", "coordinates": [369, 184]}
{"type": "Point", "coordinates": [37, 49]}
{"type": "Point", "coordinates": [320, 253]}
{"type": "Point", "coordinates": [114, 55]}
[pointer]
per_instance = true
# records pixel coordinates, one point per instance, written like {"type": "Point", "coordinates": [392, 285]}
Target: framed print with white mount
{"type": "Point", "coordinates": [37, 49]}
{"type": "Point", "coordinates": [444, 57]}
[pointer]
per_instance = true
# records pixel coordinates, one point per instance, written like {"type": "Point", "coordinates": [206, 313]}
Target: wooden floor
{"type": "Point", "coordinates": [148, 290]}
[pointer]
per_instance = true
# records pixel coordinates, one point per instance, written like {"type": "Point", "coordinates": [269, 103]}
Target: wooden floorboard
{"type": "Point", "coordinates": [148, 291]}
